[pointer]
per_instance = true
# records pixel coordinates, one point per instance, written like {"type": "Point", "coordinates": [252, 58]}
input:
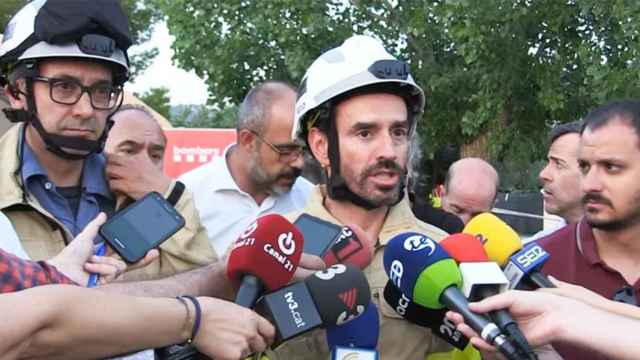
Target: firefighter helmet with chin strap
{"type": "Point", "coordinates": [360, 65]}
{"type": "Point", "coordinates": [96, 30]}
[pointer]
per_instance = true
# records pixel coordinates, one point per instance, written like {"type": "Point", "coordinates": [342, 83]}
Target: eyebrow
{"type": "Point", "coordinates": [557, 159]}
{"type": "Point", "coordinates": [130, 143]}
{"type": "Point", "coordinates": [157, 147]}
{"type": "Point", "coordinates": [72, 78]}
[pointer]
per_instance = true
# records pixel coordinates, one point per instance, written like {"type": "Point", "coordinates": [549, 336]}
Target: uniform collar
{"type": "Point", "coordinates": [398, 219]}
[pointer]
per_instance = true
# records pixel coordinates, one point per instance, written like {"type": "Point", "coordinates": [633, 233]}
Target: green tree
{"type": "Point", "coordinates": [142, 16]}
{"type": "Point", "coordinates": [158, 99]}
{"type": "Point", "coordinates": [202, 116]}
{"type": "Point", "coordinates": [7, 9]}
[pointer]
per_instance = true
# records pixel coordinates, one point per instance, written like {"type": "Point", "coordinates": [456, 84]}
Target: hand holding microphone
{"type": "Point", "coordinates": [425, 273]}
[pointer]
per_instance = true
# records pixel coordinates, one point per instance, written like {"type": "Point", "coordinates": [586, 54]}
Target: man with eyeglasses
{"type": "Point", "coordinates": [63, 85]}
{"type": "Point", "coordinates": [258, 175]}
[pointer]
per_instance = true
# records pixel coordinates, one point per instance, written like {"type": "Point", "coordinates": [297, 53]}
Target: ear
{"type": "Point", "coordinates": [319, 146]}
{"type": "Point", "coordinates": [246, 139]}
{"type": "Point", "coordinates": [16, 100]}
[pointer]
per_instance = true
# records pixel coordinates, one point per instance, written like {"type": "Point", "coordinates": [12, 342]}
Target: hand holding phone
{"type": "Point", "coordinates": [142, 226]}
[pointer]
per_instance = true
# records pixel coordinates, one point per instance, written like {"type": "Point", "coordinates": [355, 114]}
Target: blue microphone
{"type": "Point", "coordinates": [524, 267]}
{"type": "Point", "coordinates": [356, 339]}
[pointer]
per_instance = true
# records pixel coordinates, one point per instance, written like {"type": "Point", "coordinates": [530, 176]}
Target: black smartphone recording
{"type": "Point", "coordinates": [318, 234]}
{"type": "Point", "coordinates": [141, 226]}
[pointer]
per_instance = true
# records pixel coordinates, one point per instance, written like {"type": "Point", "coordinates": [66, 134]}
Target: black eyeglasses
{"type": "Point", "coordinates": [69, 91]}
{"type": "Point", "coordinates": [626, 295]}
{"type": "Point", "coordinates": [286, 152]}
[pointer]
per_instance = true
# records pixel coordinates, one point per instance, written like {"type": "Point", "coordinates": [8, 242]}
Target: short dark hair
{"type": "Point", "coordinates": [574, 127]}
{"type": "Point", "coordinates": [627, 110]}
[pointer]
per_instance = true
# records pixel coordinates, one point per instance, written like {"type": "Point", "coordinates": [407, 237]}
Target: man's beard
{"type": "Point", "coordinates": [615, 224]}
{"type": "Point", "coordinates": [388, 196]}
{"type": "Point", "coordinates": [263, 181]}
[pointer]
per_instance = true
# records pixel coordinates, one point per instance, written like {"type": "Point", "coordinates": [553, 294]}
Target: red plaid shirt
{"type": "Point", "coordinates": [17, 274]}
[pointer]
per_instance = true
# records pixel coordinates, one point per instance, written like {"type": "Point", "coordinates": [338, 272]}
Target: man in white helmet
{"type": "Point", "coordinates": [62, 66]}
{"type": "Point", "coordinates": [357, 107]}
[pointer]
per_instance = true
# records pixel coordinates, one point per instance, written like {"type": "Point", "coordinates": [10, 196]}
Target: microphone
{"type": "Point", "coordinates": [333, 296]}
{"type": "Point", "coordinates": [434, 319]}
{"type": "Point", "coordinates": [425, 273]}
{"type": "Point", "coordinates": [483, 278]}
{"type": "Point", "coordinates": [356, 339]}
{"type": "Point", "coordinates": [502, 245]}
{"type": "Point", "coordinates": [524, 267]}
{"type": "Point", "coordinates": [352, 246]}
{"type": "Point", "coordinates": [265, 256]}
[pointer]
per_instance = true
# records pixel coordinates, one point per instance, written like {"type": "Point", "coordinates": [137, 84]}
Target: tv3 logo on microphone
{"type": "Point", "coordinates": [293, 306]}
{"type": "Point", "coordinates": [354, 310]}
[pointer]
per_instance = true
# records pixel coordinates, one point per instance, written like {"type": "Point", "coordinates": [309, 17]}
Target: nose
{"type": "Point", "coordinates": [387, 149]}
{"type": "Point", "coordinates": [545, 174]}
{"type": "Point", "coordinates": [83, 108]}
{"type": "Point", "coordinates": [591, 181]}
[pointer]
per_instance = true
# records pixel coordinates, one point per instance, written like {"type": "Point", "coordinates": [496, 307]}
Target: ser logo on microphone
{"type": "Point", "coordinates": [530, 257]}
{"type": "Point", "coordinates": [419, 242]}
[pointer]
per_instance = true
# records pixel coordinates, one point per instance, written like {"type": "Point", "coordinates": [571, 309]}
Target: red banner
{"type": "Point", "coordinates": [189, 148]}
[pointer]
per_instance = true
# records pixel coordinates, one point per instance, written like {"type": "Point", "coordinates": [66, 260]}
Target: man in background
{"type": "Point", "coordinates": [258, 175]}
{"type": "Point", "coordinates": [470, 188]}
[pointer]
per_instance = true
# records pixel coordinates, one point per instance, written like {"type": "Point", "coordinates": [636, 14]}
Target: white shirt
{"type": "Point", "coordinates": [9, 241]}
{"type": "Point", "coordinates": [225, 210]}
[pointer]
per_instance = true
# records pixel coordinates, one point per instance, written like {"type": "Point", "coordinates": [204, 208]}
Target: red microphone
{"type": "Point", "coordinates": [464, 248]}
{"type": "Point", "coordinates": [265, 256]}
{"type": "Point", "coordinates": [352, 246]}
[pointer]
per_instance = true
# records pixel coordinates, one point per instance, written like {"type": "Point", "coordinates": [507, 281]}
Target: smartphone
{"type": "Point", "coordinates": [318, 234]}
{"type": "Point", "coordinates": [142, 226]}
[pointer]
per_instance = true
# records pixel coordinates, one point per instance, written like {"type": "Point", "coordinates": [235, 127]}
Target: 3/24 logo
{"type": "Point", "coordinates": [419, 242]}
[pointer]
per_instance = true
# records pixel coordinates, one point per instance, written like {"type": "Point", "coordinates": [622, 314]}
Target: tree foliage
{"type": "Point", "coordinates": [158, 99]}
{"type": "Point", "coordinates": [203, 116]}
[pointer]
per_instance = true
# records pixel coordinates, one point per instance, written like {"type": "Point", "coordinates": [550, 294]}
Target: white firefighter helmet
{"type": "Point", "coordinates": [359, 62]}
{"type": "Point", "coordinates": [46, 29]}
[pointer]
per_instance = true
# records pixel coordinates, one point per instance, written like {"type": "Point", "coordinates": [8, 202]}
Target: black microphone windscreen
{"type": "Point", "coordinates": [341, 293]}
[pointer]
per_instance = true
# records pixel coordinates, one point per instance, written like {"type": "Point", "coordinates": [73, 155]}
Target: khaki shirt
{"type": "Point", "coordinates": [399, 339]}
{"type": "Point", "coordinates": [43, 236]}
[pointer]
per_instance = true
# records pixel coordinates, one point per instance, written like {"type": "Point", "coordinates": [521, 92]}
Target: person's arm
{"type": "Point", "coordinates": [545, 317]}
{"type": "Point", "coordinates": [19, 274]}
{"type": "Point", "coordinates": [585, 295]}
{"type": "Point", "coordinates": [44, 325]}
{"type": "Point", "coordinates": [210, 280]}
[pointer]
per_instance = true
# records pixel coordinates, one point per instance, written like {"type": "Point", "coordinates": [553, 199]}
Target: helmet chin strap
{"type": "Point", "coordinates": [57, 143]}
{"type": "Point", "coordinates": [337, 187]}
